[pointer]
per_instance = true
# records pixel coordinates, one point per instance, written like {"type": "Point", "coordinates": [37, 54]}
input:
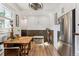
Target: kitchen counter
{"type": "Point", "coordinates": [1, 50]}
{"type": "Point", "coordinates": [2, 53]}
{"type": "Point", "coordinates": [3, 32]}
{"type": "Point", "coordinates": [3, 36]}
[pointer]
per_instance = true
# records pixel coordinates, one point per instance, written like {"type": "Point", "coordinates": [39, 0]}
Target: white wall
{"type": "Point", "coordinates": [23, 23]}
{"type": "Point", "coordinates": [37, 22]}
{"type": "Point", "coordinates": [56, 29]}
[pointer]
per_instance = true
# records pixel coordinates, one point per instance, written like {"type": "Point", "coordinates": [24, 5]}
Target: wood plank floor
{"type": "Point", "coordinates": [38, 50]}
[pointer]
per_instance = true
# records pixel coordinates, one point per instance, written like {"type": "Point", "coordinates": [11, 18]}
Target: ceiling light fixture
{"type": "Point", "coordinates": [36, 6]}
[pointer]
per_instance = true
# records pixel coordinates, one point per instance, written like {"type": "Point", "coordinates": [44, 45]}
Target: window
{"type": "Point", "coordinates": [8, 13]}
{"type": "Point", "coordinates": [2, 23]}
{"type": "Point", "coordinates": [5, 12]}
{"type": "Point", "coordinates": [7, 23]}
{"type": "Point", "coordinates": [2, 10]}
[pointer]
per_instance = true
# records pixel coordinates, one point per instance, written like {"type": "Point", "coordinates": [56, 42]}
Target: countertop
{"type": "Point", "coordinates": [3, 36]}
{"type": "Point", "coordinates": [1, 49]}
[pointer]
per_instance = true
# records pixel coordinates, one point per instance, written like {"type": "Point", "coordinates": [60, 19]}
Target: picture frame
{"type": "Point", "coordinates": [56, 19]}
{"type": "Point", "coordinates": [17, 21]}
{"type": "Point", "coordinates": [58, 35]}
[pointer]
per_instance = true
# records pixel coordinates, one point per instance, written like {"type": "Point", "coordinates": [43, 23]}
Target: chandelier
{"type": "Point", "coordinates": [36, 6]}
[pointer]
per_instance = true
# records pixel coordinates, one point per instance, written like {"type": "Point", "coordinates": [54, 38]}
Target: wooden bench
{"type": "Point", "coordinates": [11, 51]}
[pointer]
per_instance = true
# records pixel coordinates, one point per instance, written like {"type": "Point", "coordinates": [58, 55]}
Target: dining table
{"type": "Point", "coordinates": [23, 41]}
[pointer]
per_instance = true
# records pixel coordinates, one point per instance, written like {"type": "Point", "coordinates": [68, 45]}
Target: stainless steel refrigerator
{"type": "Point", "coordinates": [66, 46]}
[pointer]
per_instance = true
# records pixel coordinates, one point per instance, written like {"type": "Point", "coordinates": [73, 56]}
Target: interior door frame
{"type": "Point", "coordinates": [73, 31]}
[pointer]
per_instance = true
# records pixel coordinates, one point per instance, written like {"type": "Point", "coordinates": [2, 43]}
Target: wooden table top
{"type": "Point", "coordinates": [21, 40]}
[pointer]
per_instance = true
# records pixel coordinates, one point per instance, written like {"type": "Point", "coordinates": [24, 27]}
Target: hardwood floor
{"type": "Point", "coordinates": [39, 50]}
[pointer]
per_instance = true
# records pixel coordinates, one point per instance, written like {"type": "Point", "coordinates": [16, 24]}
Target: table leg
{"type": "Point", "coordinates": [24, 50]}
{"type": "Point", "coordinates": [21, 49]}
{"type": "Point", "coordinates": [29, 47]}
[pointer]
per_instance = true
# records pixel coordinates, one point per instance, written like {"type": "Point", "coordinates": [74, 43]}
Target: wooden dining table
{"type": "Point", "coordinates": [23, 41]}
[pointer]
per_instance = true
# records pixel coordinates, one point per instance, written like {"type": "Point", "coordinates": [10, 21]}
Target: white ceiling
{"type": "Point", "coordinates": [24, 9]}
{"type": "Point", "coordinates": [46, 6]}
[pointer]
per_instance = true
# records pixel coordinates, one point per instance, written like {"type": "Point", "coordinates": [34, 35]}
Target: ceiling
{"type": "Point", "coordinates": [46, 6]}
{"type": "Point", "coordinates": [24, 9]}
